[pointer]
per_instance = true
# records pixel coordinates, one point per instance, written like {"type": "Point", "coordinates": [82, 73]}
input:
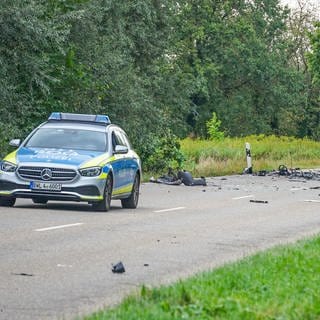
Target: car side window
{"type": "Point", "coordinates": [125, 140]}
{"type": "Point", "coordinates": [117, 139]}
{"type": "Point", "coordinates": [114, 141]}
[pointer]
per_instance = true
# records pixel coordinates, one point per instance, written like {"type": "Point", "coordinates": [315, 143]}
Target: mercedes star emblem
{"type": "Point", "coordinates": [46, 174]}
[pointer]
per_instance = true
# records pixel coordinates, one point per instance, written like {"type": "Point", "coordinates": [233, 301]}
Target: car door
{"type": "Point", "coordinates": [119, 165]}
{"type": "Point", "coordinates": [131, 163]}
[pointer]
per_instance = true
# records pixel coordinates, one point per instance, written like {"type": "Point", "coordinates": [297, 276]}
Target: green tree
{"type": "Point", "coordinates": [313, 116]}
{"type": "Point", "coordinates": [236, 52]}
{"type": "Point", "coordinates": [314, 55]}
{"type": "Point", "coordinates": [28, 41]}
{"type": "Point", "coordinates": [100, 56]}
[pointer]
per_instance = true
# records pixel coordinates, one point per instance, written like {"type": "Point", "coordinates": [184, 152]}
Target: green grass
{"type": "Point", "coordinates": [282, 283]}
{"type": "Point", "coordinates": [214, 158]}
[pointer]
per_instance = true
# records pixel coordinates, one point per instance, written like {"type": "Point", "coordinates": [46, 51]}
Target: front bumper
{"type": "Point", "coordinates": [88, 189]}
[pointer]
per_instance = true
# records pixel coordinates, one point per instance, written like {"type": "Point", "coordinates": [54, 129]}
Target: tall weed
{"type": "Point", "coordinates": [213, 157]}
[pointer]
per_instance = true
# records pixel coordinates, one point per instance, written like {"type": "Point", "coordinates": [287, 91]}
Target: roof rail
{"type": "Point", "coordinates": [89, 118]}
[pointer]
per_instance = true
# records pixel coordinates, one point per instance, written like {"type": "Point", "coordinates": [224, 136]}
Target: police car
{"type": "Point", "coordinates": [72, 157]}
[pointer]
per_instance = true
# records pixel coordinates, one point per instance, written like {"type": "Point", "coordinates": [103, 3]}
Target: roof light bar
{"type": "Point", "coordinates": [99, 118]}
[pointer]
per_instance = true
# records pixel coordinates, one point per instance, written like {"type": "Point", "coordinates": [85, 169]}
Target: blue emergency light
{"type": "Point", "coordinates": [99, 118]}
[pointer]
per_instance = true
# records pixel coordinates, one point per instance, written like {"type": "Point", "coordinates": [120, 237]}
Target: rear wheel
{"type": "Point", "coordinates": [132, 201]}
{"type": "Point", "coordinates": [104, 205]}
{"type": "Point", "coordinates": [40, 201]}
{"type": "Point", "coordinates": [7, 201]}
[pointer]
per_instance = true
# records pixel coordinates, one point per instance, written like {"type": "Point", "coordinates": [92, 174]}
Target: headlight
{"type": "Point", "coordinates": [8, 166]}
{"type": "Point", "coordinates": [90, 172]}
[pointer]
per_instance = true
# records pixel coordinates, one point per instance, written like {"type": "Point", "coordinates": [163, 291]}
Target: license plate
{"type": "Point", "coordinates": [47, 186]}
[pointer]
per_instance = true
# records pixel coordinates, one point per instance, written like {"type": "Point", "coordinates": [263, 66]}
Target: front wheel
{"type": "Point", "coordinates": [132, 201]}
{"type": "Point", "coordinates": [7, 201]}
{"type": "Point", "coordinates": [104, 204]}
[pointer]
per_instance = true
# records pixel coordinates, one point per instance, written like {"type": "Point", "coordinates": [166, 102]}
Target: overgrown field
{"type": "Point", "coordinates": [227, 156]}
{"type": "Point", "coordinates": [282, 283]}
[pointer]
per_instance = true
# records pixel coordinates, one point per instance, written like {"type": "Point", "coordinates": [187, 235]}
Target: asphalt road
{"type": "Point", "coordinates": [55, 259]}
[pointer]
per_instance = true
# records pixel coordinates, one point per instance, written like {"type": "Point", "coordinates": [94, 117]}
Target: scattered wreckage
{"type": "Point", "coordinates": [283, 170]}
{"type": "Point", "coordinates": [181, 177]}
{"type": "Point", "coordinates": [185, 177]}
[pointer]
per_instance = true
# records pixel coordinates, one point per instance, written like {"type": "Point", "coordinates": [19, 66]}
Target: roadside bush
{"type": "Point", "coordinates": [213, 126]}
{"type": "Point", "coordinates": [161, 153]}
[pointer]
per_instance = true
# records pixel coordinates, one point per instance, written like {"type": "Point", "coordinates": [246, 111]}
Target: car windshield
{"type": "Point", "coordinates": [62, 138]}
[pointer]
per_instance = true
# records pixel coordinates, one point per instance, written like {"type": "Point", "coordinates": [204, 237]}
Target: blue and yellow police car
{"type": "Point", "coordinates": [72, 157]}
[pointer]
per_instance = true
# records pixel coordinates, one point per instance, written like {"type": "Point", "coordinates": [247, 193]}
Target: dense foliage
{"type": "Point", "coordinates": [159, 66]}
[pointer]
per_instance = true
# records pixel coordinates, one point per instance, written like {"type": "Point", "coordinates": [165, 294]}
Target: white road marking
{"type": "Point", "coordinates": [59, 227]}
{"type": "Point", "coordinates": [297, 189]}
{"type": "Point", "coordinates": [64, 265]}
{"type": "Point", "coordinates": [318, 201]}
{"type": "Point", "coordinates": [171, 209]}
{"type": "Point", "coordinates": [243, 197]}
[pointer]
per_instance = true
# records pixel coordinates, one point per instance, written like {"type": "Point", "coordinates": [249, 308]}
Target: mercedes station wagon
{"type": "Point", "coordinates": [72, 157]}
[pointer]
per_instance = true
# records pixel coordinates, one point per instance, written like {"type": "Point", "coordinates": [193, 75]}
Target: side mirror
{"type": "Point", "coordinates": [121, 149]}
{"type": "Point", "coordinates": [15, 143]}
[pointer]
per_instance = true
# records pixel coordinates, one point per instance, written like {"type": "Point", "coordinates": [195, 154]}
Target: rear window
{"type": "Point", "coordinates": [62, 138]}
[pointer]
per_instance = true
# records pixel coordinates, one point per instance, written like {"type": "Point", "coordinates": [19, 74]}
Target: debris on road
{"type": "Point", "coordinates": [118, 268]}
{"type": "Point", "coordinates": [283, 170]}
{"type": "Point", "coordinates": [23, 274]}
{"type": "Point", "coordinates": [188, 180]}
{"type": "Point", "coordinates": [174, 179]}
{"type": "Point", "coordinates": [259, 201]}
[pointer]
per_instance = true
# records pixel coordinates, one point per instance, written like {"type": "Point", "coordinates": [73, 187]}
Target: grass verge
{"type": "Point", "coordinates": [216, 158]}
{"type": "Point", "coordinates": [282, 283]}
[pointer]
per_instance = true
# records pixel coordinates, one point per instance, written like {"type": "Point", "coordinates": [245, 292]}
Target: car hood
{"type": "Point", "coordinates": [55, 156]}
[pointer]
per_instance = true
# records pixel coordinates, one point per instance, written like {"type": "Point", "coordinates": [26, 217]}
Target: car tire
{"type": "Point", "coordinates": [40, 201]}
{"type": "Point", "coordinates": [7, 201]}
{"type": "Point", "coordinates": [104, 205]}
{"type": "Point", "coordinates": [132, 201]}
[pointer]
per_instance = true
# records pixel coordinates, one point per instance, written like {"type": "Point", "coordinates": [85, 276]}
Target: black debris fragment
{"type": "Point", "coordinates": [146, 265]}
{"type": "Point", "coordinates": [118, 268]}
{"type": "Point", "coordinates": [283, 170]}
{"type": "Point", "coordinates": [174, 179]}
{"type": "Point", "coordinates": [259, 201]}
{"type": "Point", "coordinates": [188, 180]}
{"type": "Point", "coordinates": [23, 274]}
